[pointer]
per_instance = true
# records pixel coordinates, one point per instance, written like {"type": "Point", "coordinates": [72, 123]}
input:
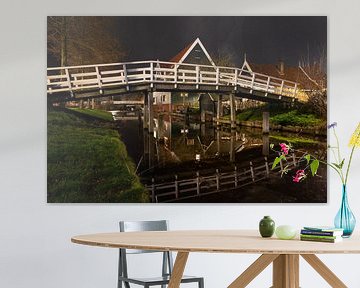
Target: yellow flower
{"type": "Point", "coordinates": [355, 138]}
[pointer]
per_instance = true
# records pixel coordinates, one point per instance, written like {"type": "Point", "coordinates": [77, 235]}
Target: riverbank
{"type": "Point", "coordinates": [95, 113]}
{"type": "Point", "coordinates": [88, 163]}
{"type": "Point", "coordinates": [281, 119]}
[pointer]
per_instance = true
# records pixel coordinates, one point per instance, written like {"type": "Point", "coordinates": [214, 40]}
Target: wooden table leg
{"type": "Point", "coordinates": [286, 271]}
{"type": "Point", "coordinates": [253, 270]}
{"type": "Point", "coordinates": [324, 271]}
{"type": "Point", "coordinates": [178, 270]}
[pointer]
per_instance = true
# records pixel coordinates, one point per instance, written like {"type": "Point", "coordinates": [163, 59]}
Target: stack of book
{"type": "Point", "coordinates": [321, 234]}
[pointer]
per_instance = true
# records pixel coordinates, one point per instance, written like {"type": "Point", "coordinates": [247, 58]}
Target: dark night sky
{"type": "Point", "coordinates": [263, 39]}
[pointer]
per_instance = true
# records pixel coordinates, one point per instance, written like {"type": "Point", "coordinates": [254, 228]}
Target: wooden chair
{"type": "Point", "coordinates": [167, 263]}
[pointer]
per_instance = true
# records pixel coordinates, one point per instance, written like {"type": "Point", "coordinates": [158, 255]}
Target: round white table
{"type": "Point", "coordinates": [284, 254]}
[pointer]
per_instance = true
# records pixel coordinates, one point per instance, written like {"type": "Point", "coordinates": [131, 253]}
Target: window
{"type": "Point", "coordinates": [163, 98]}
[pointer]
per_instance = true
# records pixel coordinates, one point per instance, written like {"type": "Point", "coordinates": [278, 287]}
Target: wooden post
{"type": "Point", "coordinates": [295, 90]}
{"type": "Point", "coordinates": [281, 166]}
{"type": "Point", "coordinates": [266, 122]}
{"type": "Point", "coordinates": [252, 82]}
{"type": "Point", "coordinates": [92, 103]}
{"type": "Point", "coordinates": [286, 271]}
{"type": "Point", "coordinates": [294, 159]}
{"type": "Point", "coordinates": [153, 189]}
{"type": "Point", "coordinates": [281, 87]}
{"type": "Point", "coordinates": [232, 146]}
{"type": "Point", "coordinates": [146, 112]}
{"type": "Point", "coordinates": [236, 176]}
{"type": "Point", "coordinates": [235, 79]}
{"type": "Point", "coordinates": [252, 171]}
{"type": "Point", "coordinates": [81, 104]}
{"type": "Point", "coordinates": [217, 180]}
{"type": "Point", "coordinates": [68, 79]}
{"type": "Point", "coordinates": [267, 85]}
{"type": "Point", "coordinates": [176, 183]}
{"type": "Point", "coordinates": [232, 111]}
{"type": "Point", "coordinates": [98, 76]}
{"type": "Point", "coordinates": [266, 144]}
{"type": "Point", "coordinates": [197, 183]}
{"type": "Point", "coordinates": [219, 109]}
{"type": "Point", "coordinates": [217, 76]}
{"type": "Point", "coordinates": [267, 167]}
{"type": "Point", "coordinates": [125, 77]}
{"type": "Point", "coordinates": [202, 116]}
{"type": "Point", "coordinates": [151, 74]}
{"type": "Point", "coordinates": [197, 76]}
{"type": "Point", "coordinates": [151, 112]}
{"type": "Point", "coordinates": [175, 75]}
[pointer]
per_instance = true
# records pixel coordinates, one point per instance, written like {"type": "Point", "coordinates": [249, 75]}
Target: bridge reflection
{"type": "Point", "coordinates": [176, 143]}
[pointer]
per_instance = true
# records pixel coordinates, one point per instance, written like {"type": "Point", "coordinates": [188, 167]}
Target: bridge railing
{"type": "Point", "coordinates": [102, 76]}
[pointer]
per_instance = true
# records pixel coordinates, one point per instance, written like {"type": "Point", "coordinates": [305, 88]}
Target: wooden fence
{"type": "Point", "coordinates": [205, 185]}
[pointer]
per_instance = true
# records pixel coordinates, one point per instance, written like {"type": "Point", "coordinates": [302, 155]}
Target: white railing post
{"type": "Point", "coordinates": [295, 90]}
{"type": "Point", "coordinates": [125, 77]}
{"type": "Point", "coordinates": [217, 75]}
{"type": "Point", "coordinates": [197, 69]}
{"type": "Point", "coordinates": [236, 79]}
{"type": "Point", "coordinates": [267, 85]}
{"type": "Point", "coordinates": [282, 87]}
{"type": "Point", "coordinates": [68, 78]}
{"type": "Point", "coordinates": [197, 80]}
{"type": "Point", "coordinates": [175, 74]}
{"type": "Point", "coordinates": [98, 76]}
{"type": "Point", "coordinates": [151, 74]}
{"type": "Point", "coordinates": [252, 82]}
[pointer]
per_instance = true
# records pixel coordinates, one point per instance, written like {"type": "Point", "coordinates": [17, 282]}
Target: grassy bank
{"type": "Point", "coordinates": [282, 116]}
{"type": "Point", "coordinates": [101, 114]}
{"type": "Point", "coordinates": [88, 164]}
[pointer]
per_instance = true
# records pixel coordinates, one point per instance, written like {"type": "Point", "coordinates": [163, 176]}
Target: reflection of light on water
{"type": "Point", "coordinates": [197, 157]}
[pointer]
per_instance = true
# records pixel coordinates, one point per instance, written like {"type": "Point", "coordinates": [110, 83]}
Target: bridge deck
{"type": "Point", "coordinates": [119, 78]}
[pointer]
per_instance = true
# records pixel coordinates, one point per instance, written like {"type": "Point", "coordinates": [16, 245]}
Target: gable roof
{"type": "Point", "coordinates": [181, 56]}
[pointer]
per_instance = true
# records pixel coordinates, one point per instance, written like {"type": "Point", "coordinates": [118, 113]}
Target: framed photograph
{"type": "Point", "coordinates": [186, 109]}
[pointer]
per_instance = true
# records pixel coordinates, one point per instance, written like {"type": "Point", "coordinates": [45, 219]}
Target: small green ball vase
{"type": "Point", "coordinates": [267, 227]}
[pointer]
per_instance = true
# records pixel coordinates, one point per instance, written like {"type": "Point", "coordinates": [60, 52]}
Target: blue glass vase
{"type": "Point", "coordinates": [345, 219]}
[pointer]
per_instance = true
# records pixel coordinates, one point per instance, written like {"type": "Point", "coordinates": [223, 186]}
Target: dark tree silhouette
{"type": "Point", "coordinates": [75, 40]}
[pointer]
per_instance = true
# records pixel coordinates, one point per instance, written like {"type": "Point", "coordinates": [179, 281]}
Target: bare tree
{"type": "Point", "coordinates": [315, 70]}
{"type": "Point", "coordinates": [222, 58]}
{"type": "Point", "coordinates": [76, 40]}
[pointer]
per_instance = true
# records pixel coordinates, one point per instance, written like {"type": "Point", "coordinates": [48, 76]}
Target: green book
{"type": "Point", "coordinates": [325, 240]}
{"type": "Point", "coordinates": [319, 236]}
{"type": "Point", "coordinates": [324, 228]}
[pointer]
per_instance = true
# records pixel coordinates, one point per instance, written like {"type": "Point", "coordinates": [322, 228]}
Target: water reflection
{"type": "Point", "coordinates": [179, 148]}
{"type": "Point", "coordinates": [178, 144]}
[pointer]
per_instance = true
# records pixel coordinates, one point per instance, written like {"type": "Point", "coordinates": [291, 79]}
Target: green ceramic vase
{"type": "Point", "coordinates": [267, 227]}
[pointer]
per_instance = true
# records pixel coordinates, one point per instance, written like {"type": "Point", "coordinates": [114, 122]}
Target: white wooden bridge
{"type": "Point", "coordinates": [87, 81]}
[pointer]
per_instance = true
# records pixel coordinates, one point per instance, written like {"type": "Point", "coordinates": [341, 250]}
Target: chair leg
{"type": "Point", "coordinates": [201, 283]}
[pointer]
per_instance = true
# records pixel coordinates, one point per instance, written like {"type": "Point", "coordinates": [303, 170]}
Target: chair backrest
{"type": "Point", "coordinates": [137, 226]}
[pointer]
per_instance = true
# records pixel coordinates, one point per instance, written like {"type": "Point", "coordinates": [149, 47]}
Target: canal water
{"type": "Point", "coordinates": [182, 148]}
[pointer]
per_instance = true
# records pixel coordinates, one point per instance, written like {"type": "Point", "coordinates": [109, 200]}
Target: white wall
{"type": "Point", "coordinates": [35, 248]}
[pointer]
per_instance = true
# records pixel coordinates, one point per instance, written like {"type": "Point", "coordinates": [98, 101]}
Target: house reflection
{"type": "Point", "coordinates": [178, 141]}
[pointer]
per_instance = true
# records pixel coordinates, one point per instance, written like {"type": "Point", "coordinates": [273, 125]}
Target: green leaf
{"type": "Point", "coordinates": [276, 162]}
{"type": "Point", "coordinates": [307, 157]}
{"type": "Point", "coordinates": [314, 167]}
{"type": "Point", "coordinates": [342, 163]}
{"type": "Point", "coordinates": [271, 146]}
